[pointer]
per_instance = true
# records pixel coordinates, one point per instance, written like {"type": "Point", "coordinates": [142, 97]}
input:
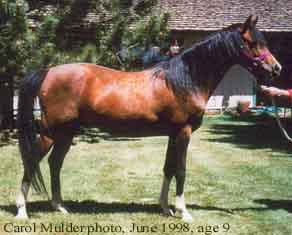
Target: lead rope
{"type": "Point", "coordinates": [283, 130]}
{"type": "Point", "coordinates": [278, 120]}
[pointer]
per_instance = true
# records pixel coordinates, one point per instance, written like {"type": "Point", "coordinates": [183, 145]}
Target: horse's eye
{"type": "Point", "coordinates": [253, 45]}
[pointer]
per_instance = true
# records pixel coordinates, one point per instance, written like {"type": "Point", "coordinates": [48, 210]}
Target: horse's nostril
{"type": "Point", "coordinates": [277, 68]}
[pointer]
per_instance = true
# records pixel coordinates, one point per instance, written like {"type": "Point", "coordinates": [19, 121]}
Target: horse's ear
{"type": "Point", "coordinates": [250, 23]}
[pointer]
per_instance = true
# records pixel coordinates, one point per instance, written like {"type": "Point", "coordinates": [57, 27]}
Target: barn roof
{"type": "Point", "coordinates": [206, 15]}
{"type": "Point", "coordinates": [274, 15]}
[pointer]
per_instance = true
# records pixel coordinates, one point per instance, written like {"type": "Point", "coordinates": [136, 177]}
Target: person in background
{"type": "Point", "coordinates": [152, 57]}
{"type": "Point", "coordinates": [277, 92]}
{"type": "Point", "coordinates": [174, 49]}
{"type": "Point", "coordinates": [155, 55]}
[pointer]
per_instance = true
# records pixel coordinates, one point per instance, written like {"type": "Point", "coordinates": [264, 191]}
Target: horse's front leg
{"type": "Point", "coordinates": [182, 142]}
{"type": "Point", "coordinates": [175, 165]}
{"type": "Point", "coordinates": [169, 171]}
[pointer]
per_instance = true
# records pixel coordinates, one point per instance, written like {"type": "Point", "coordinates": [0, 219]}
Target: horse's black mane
{"type": "Point", "coordinates": [203, 60]}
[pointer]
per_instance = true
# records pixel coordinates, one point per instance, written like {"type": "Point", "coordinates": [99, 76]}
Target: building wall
{"type": "Point", "coordinates": [237, 85]}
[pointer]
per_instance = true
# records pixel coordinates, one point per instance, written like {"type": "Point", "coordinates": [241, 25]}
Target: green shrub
{"type": "Point", "coordinates": [24, 49]}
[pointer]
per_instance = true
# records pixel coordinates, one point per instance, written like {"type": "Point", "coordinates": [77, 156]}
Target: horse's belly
{"type": "Point", "coordinates": [127, 127]}
{"type": "Point", "coordinates": [136, 130]}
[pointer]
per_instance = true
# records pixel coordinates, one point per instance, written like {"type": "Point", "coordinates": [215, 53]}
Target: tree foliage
{"type": "Point", "coordinates": [129, 31]}
{"type": "Point", "coordinates": [15, 39]}
{"type": "Point", "coordinates": [21, 48]}
{"type": "Point", "coordinates": [122, 26]}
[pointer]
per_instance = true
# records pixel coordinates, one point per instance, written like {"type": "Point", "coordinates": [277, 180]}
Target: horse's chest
{"type": "Point", "coordinates": [196, 104]}
{"type": "Point", "coordinates": [189, 108]}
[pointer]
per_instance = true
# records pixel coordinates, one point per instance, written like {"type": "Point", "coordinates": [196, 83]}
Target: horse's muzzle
{"type": "Point", "coordinates": [276, 70]}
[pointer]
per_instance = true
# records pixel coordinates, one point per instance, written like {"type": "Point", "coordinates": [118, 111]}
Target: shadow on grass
{"type": "Point", "coordinates": [8, 138]}
{"type": "Point", "coordinates": [258, 132]}
{"type": "Point", "coordinates": [87, 207]}
{"type": "Point", "coordinates": [93, 135]}
{"type": "Point", "coordinates": [276, 204]}
{"type": "Point", "coordinates": [90, 136]}
{"type": "Point", "coordinates": [92, 207]}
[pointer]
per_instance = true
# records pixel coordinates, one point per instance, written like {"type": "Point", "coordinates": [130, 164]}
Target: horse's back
{"type": "Point", "coordinates": [116, 95]}
{"type": "Point", "coordinates": [91, 93]}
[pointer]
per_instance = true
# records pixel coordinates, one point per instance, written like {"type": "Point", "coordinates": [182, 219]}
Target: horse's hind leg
{"type": "Point", "coordinates": [21, 197]}
{"type": "Point", "coordinates": [45, 144]}
{"type": "Point", "coordinates": [61, 147]}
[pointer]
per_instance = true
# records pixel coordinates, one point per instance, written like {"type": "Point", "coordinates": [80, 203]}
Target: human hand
{"type": "Point", "coordinates": [273, 91]}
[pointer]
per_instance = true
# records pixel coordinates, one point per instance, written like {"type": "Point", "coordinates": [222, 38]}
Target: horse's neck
{"type": "Point", "coordinates": [210, 60]}
{"type": "Point", "coordinates": [211, 75]}
{"type": "Point", "coordinates": [218, 77]}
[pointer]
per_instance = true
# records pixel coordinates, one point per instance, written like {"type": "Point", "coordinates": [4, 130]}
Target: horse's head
{"type": "Point", "coordinates": [255, 55]}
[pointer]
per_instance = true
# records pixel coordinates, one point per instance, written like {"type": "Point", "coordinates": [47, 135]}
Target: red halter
{"type": "Point", "coordinates": [262, 56]}
{"type": "Point", "coordinates": [259, 58]}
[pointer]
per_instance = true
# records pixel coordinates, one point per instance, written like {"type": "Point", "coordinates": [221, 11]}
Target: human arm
{"type": "Point", "coordinates": [274, 91]}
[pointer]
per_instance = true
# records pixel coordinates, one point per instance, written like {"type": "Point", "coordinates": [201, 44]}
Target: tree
{"type": "Point", "coordinates": [143, 36]}
{"type": "Point", "coordinates": [130, 31]}
{"type": "Point", "coordinates": [120, 25]}
{"type": "Point", "coordinates": [15, 40]}
{"type": "Point", "coordinates": [22, 49]}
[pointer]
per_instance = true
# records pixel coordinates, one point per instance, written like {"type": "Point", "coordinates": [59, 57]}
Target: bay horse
{"type": "Point", "coordinates": [168, 99]}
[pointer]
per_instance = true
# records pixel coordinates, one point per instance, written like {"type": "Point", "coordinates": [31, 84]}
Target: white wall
{"type": "Point", "coordinates": [237, 85]}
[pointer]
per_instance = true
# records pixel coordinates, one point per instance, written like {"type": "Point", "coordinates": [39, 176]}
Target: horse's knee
{"type": "Point", "coordinates": [169, 172]}
{"type": "Point", "coordinates": [180, 174]}
{"type": "Point", "coordinates": [45, 144]}
{"type": "Point", "coordinates": [184, 135]}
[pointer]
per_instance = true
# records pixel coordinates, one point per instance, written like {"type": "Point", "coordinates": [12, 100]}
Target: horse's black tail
{"type": "Point", "coordinates": [27, 129]}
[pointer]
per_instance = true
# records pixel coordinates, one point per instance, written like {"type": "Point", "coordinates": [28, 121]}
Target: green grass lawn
{"type": "Point", "coordinates": [239, 179]}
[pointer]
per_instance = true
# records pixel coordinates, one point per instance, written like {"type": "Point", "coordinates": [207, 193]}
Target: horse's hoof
{"type": "Point", "coordinates": [21, 213]}
{"type": "Point", "coordinates": [186, 217]}
{"type": "Point", "coordinates": [60, 208]}
{"type": "Point", "coordinates": [20, 216]}
{"type": "Point", "coordinates": [168, 212]}
{"type": "Point", "coordinates": [63, 210]}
